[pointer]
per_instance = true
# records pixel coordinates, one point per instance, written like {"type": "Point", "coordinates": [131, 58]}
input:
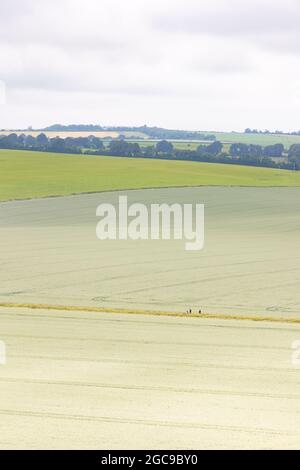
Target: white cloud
{"type": "Point", "coordinates": [232, 18]}
{"type": "Point", "coordinates": [191, 64]}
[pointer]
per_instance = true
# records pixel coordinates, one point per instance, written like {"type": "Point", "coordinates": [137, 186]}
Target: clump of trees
{"type": "Point", "coordinates": [55, 144]}
{"type": "Point", "coordinates": [213, 149]}
{"type": "Point", "coordinates": [294, 155]}
{"type": "Point", "coordinates": [164, 147]}
{"type": "Point", "coordinates": [244, 150]}
{"type": "Point", "coordinates": [238, 154]}
{"type": "Point", "coordinates": [124, 149]}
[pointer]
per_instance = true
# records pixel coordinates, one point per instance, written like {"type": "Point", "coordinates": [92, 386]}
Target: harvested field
{"type": "Point", "coordinates": [64, 134]}
{"type": "Point", "coordinates": [104, 381]}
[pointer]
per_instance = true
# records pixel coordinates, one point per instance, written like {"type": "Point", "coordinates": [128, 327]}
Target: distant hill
{"type": "Point", "coordinates": [73, 128]}
{"type": "Point", "coordinates": [150, 132]}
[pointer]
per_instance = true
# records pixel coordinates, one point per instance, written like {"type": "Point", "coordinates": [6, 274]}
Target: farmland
{"type": "Point", "coordinates": [90, 377]}
{"type": "Point", "coordinates": [25, 174]}
{"type": "Point", "coordinates": [257, 139]}
{"type": "Point", "coordinates": [249, 265]}
{"type": "Point", "coordinates": [178, 144]}
{"type": "Point", "coordinates": [106, 381]}
{"type": "Point", "coordinates": [64, 134]}
{"type": "Point", "coordinates": [144, 140]}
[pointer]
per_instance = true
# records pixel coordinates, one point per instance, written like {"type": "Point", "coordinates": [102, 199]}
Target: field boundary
{"type": "Point", "coordinates": [213, 316]}
{"type": "Point", "coordinates": [146, 188]}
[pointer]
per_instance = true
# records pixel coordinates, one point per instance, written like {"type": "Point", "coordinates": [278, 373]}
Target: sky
{"type": "Point", "coordinates": [184, 64]}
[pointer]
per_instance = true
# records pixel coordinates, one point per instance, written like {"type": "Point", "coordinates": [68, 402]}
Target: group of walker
{"type": "Point", "coordinates": [189, 311]}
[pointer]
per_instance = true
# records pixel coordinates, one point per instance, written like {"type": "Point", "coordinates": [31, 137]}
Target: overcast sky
{"type": "Point", "coordinates": [205, 65]}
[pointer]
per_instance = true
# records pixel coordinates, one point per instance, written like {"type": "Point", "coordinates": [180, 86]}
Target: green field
{"type": "Point", "coordinates": [228, 138]}
{"type": "Point", "coordinates": [26, 174]}
{"type": "Point", "coordinates": [256, 139]}
{"type": "Point", "coordinates": [178, 144]}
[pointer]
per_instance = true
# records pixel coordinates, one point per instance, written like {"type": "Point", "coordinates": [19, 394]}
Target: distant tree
{"type": "Point", "coordinates": [57, 144]}
{"type": "Point", "coordinates": [135, 149]}
{"type": "Point", "coordinates": [118, 147]}
{"type": "Point", "coordinates": [238, 149]}
{"type": "Point", "coordinates": [122, 148]}
{"type": "Point", "coordinates": [255, 151]}
{"type": "Point", "coordinates": [22, 140]}
{"type": "Point", "coordinates": [95, 142]}
{"type": "Point", "coordinates": [42, 140]}
{"type": "Point", "coordinates": [12, 140]}
{"type": "Point", "coordinates": [29, 141]}
{"type": "Point", "coordinates": [250, 154]}
{"type": "Point", "coordinates": [78, 142]}
{"type": "Point", "coordinates": [149, 151]}
{"type": "Point", "coordinates": [164, 146]}
{"type": "Point", "coordinates": [215, 148]}
{"type": "Point", "coordinates": [274, 150]}
{"type": "Point", "coordinates": [294, 155]}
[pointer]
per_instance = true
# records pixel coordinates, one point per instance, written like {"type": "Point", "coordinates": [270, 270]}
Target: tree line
{"type": "Point", "coordinates": [248, 130]}
{"type": "Point", "coordinates": [238, 153]}
{"type": "Point", "coordinates": [152, 132]}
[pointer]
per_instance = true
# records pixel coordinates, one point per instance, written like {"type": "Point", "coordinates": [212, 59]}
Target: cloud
{"type": "Point", "coordinates": [191, 64]}
{"type": "Point", "coordinates": [15, 8]}
{"type": "Point", "coordinates": [266, 23]}
{"type": "Point", "coordinates": [233, 18]}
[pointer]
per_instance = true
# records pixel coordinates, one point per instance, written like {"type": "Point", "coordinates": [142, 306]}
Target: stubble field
{"type": "Point", "coordinates": [104, 381]}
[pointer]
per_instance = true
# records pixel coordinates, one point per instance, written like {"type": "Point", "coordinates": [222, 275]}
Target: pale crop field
{"type": "Point", "coordinates": [90, 380]}
{"type": "Point", "coordinates": [249, 264]}
{"type": "Point", "coordinates": [257, 139]}
{"type": "Point", "coordinates": [83, 380]}
{"type": "Point", "coordinates": [64, 134]}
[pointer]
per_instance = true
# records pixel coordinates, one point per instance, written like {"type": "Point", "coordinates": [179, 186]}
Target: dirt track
{"type": "Point", "coordinates": [77, 380]}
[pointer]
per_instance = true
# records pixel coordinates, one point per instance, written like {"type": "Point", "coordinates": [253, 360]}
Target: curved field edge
{"type": "Point", "coordinates": [25, 174]}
